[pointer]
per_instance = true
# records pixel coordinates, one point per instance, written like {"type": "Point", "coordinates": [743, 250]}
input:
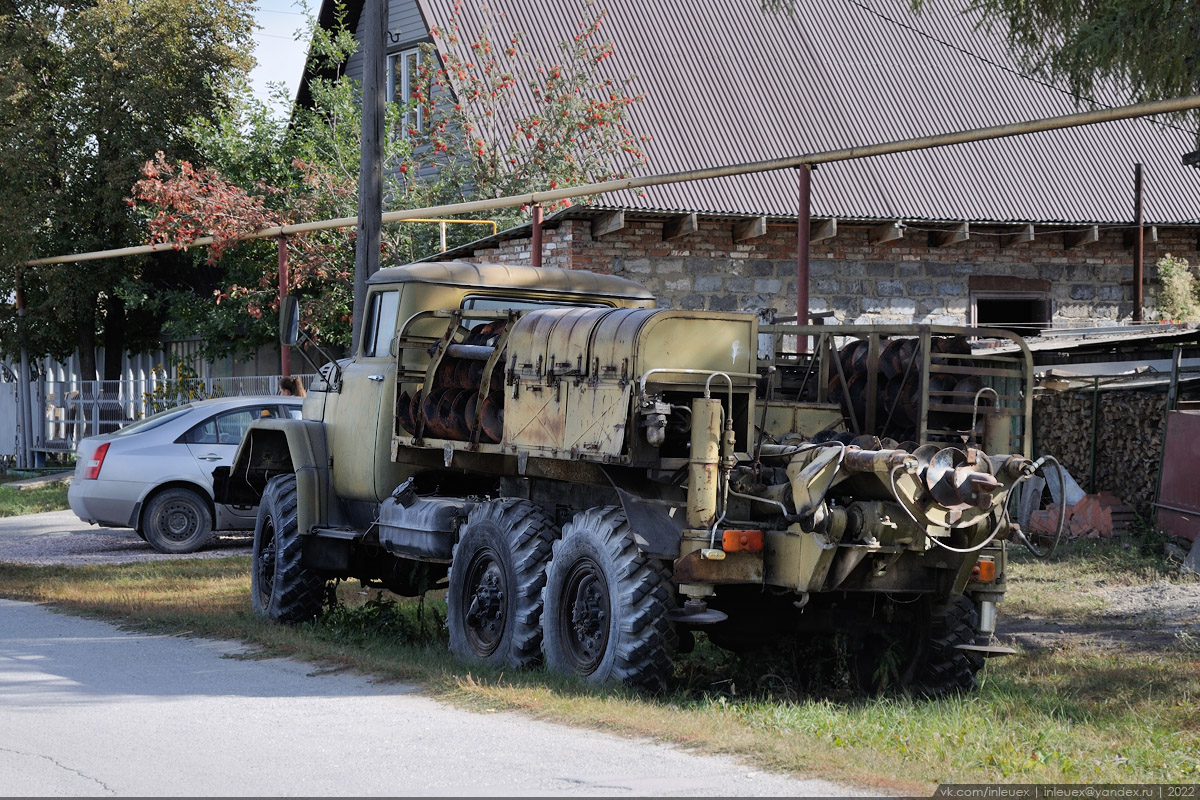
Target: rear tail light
{"type": "Point", "coordinates": [95, 463]}
{"type": "Point", "coordinates": [984, 571]}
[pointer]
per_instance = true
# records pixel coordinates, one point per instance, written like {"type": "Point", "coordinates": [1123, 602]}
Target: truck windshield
{"type": "Point", "coordinates": [477, 303]}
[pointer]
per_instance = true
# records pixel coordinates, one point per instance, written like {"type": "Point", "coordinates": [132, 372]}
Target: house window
{"type": "Point", "coordinates": [403, 78]}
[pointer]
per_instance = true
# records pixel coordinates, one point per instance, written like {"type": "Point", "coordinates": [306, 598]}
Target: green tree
{"type": "Point", "coordinates": [117, 80]}
{"type": "Point", "coordinates": [1176, 299]}
{"type": "Point", "coordinates": [1148, 48]}
{"type": "Point", "coordinates": [263, 171]}
{"type": "Point", "coordinates": [30, 142]}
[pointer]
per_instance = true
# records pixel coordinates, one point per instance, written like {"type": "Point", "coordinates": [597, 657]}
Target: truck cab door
{"type": "Point", "coordinates": [362, 428]}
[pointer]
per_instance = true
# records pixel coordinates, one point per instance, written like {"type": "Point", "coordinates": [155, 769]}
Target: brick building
{"type": "Point", "coordinates": [1030, 231]}
{"type": "Point", "coordinates": [988, 279]}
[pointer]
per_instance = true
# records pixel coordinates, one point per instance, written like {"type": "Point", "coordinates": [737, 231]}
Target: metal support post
{"type": "Point", "coordinates": [803, 234]}
{"type": "Point", "coordinates": [1139, 279]}
{"type": "Point", "coordinates": [535, 243]}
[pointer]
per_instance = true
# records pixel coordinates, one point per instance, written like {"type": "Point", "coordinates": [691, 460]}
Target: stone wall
{"type": "Point", "coordinates": [859, 281]}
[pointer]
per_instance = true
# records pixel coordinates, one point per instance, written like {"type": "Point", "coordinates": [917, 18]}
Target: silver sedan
{"type": "Point", "coordinates": [156, 475]}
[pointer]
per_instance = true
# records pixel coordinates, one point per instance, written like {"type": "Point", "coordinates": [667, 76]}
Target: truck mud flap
{"type": "Point", "coordinates": [657, 524]}
{"type": "Point", "coordinates": [326, 553]}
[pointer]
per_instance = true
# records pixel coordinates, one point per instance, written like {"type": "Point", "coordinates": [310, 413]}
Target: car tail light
{"type": "Point", "coordinates": [95, 463]}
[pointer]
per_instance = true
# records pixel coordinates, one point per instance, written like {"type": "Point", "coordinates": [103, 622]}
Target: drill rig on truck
{"type": "Point", "coordinates": [592, 479]}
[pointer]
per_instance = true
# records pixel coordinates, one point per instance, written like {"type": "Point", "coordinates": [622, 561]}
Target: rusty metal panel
{"type": "Point", "coordinates": [614, 346]}
{"type": "Point", "coordinates": [596, 419]}
{"type": "Point", "coordinates": [534, 418]}
{"type": "Point", "coordinates": [806, 419]}
{"type": "Point", "coordinates": [700, 341]}
{"type": "Point", "coordinates": [1179, 497]}
{"type": "Point", "coordinates": [571, 339]}
{"type": "Point", "coordinates": [734, 568]}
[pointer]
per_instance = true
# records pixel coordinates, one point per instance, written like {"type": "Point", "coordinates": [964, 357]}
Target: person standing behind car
{"type": "Point", "coordinates": [291, 387]}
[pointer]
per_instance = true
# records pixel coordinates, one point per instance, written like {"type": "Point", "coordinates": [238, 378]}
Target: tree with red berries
{"type": "Point", "coordinates": [495, 121]}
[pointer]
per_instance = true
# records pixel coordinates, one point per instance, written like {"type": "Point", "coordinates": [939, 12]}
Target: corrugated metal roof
{"type": "Point", "coordinates": [727, 82]}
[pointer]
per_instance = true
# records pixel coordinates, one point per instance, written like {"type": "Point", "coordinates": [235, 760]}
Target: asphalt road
{"type": "Point", "coordinates": [89, 710]}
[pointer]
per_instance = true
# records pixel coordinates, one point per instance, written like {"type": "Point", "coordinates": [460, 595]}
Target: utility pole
{"type": "Point", "coordinates": [370, 170]}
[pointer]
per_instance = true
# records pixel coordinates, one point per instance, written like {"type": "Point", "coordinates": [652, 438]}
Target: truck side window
{"type": "Point", "coordinates": [381, 323]}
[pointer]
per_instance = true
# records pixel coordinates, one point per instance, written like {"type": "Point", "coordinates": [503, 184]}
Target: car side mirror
{"type": "Point", "coordinates": [289, 321]}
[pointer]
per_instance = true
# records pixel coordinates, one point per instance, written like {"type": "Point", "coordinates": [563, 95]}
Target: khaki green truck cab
{"type": "Point", "coordinates": [592, 479]}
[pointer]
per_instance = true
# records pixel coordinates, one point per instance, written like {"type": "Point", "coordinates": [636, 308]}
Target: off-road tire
{"type": "Point", "coordinates": [177, 521]}
{"type": "Point", "coordinates": [606, 605]}
{"type": "Point", "coordinates": [494, 600]}
{"type": "Point", "coordinates": [943, 669]}
{"type": "Point", "coordinates": [281, 589]}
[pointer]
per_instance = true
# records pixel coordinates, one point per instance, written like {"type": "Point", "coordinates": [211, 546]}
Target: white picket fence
{"type": "Point", "coordinates": [65, 409]}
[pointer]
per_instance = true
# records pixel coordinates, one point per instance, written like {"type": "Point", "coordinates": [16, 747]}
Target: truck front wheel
{"type": "Point", "coordinates": [496, 577]}
{"type": "Point", "coordinates": [606, 605]}
{"type": "Point", "coordinates": [281, 589]}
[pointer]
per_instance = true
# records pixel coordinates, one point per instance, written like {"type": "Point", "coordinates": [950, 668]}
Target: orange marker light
{"type": "Point", "coordinates": [742, 541]}
{"type": "Point", "coordinates": [984, 571]}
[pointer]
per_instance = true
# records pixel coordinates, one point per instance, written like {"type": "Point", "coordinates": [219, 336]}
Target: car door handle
{"type": "Point", "coordinates": [209, 457]}
{"type": "Point", "coordinates": [374, 377]}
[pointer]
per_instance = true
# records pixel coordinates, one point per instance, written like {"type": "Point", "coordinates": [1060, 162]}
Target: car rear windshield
{"type": "Point", "coordinates": [154, 420]}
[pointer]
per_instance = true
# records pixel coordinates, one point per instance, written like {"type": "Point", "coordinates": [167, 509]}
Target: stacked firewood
{"type": "Point", "coordinates": [1129, 439]}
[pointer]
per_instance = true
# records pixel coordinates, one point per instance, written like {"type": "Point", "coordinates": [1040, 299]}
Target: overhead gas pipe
{"type": "Point", "coordinates": [1172, 106]}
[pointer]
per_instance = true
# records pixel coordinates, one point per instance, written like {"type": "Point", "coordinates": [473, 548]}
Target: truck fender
{"type": "Point", "coordinates": [277, 446]}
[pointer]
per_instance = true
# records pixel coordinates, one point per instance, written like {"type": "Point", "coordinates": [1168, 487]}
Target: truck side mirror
{"type": "Point", "coordinates": [289, 321]}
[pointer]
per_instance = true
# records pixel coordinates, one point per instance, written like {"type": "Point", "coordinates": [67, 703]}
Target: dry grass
{"type": "Point", "coordinates": [1078, 713]}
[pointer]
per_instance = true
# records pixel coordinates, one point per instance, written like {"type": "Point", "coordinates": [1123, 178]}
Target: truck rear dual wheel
{"type": "Point", "coordinates": [496, 578]}
{"type": "Point", "coordinates": [920, 654]}
{"type": "Point", "coordinates": [606, 605]}
{"type": "Point", "coordinates": [281, 589]}
{"type": "Point", "coordinates": [943, 668]}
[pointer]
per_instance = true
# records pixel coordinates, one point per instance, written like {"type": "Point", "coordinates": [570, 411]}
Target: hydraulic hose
{"type": "Point", "coordinates": [1062, 507]}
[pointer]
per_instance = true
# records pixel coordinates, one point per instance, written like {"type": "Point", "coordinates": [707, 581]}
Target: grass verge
{"type": "Point", "coordinates": [15, 502]}
{"type": "Point", "coordinates": [1077, 713]}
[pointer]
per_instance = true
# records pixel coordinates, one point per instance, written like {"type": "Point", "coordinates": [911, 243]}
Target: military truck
{"type": "Point", "coordinates": [593, 479]}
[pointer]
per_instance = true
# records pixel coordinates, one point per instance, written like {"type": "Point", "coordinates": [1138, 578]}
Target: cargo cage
{"type": "Point", "coordinates": [921, 383]}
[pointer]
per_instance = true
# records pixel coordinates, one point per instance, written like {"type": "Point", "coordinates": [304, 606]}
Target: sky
{"type": "Point", "coordinates": [280, 57]}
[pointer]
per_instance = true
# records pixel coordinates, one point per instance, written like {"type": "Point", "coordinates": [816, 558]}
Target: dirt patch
{"type": "Point", "coordinates": [58, 538]}
{"type": "Point", "coordinates": [1158, 616]}
{"type": "Point", "coordinates": [111, 546]}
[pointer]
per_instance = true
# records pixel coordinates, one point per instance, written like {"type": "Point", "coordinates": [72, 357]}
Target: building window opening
{"type": "Point", "coordinates": [1024, 314]}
